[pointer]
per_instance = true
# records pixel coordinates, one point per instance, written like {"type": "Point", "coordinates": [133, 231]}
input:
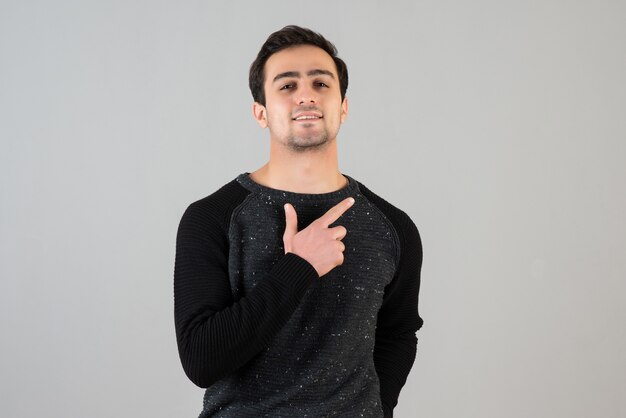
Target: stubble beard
{"type": "Point", "coordinates": [303, 143]}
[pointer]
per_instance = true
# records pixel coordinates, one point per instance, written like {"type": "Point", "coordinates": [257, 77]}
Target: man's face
{"type": "Point", "coordinates": [303, 107]}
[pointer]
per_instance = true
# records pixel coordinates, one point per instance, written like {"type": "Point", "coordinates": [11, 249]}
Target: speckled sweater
{"type": "Point", "coordinates": [265, 335]}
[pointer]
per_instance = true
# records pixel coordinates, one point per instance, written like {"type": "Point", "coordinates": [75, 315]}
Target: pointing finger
{"type": "Point", "coordinates": [336, 211]}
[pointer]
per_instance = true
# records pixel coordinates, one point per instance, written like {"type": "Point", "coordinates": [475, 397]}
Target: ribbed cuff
{"type": "Point", "coordinates": [298, 272]}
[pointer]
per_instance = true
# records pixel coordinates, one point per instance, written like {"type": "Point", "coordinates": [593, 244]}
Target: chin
{"type": "Point", "coordinates": [307, 142]}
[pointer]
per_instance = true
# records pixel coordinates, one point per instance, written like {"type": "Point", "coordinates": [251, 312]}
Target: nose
{"type": "Point", "coordinates": [306, 95]}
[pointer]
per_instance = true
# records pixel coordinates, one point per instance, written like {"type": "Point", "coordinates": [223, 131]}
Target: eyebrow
{"type": "Point", "coordinates": [296, 74]}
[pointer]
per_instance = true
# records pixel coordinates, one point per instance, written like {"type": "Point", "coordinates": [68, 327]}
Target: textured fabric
{"type": "Point", "coordinates": [265, 334]}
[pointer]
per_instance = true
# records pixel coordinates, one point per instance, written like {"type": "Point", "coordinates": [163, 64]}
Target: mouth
{"type": "Point", "coordinates": [307, 116]}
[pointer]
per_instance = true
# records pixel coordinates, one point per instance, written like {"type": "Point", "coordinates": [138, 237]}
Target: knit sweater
{"type": "Point", "coordinates": [265, 335]}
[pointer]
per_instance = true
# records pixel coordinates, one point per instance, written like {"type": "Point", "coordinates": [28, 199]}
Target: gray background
{"type": "Point", "coordinates": [498, 126]}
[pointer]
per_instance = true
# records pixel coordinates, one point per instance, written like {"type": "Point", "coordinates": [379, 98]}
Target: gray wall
{"type": "Point", "coordinates": [498, 126]}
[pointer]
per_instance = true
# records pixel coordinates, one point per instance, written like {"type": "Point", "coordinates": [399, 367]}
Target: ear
{"type": "Point", "coordinates": [260, 114]}
{"type": "Point", "coordinates": [344, 109]}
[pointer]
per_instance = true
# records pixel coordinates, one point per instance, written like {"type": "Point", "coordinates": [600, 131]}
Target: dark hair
{"type": "Point", "coordinates": [286, 37]}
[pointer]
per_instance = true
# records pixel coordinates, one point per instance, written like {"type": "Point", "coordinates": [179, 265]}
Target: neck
{"type": "Point", "coordinates": [307, 171]}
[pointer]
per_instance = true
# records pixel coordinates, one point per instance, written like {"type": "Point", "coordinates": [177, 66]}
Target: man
{"type": "Point", "coordinates": [295, 286]}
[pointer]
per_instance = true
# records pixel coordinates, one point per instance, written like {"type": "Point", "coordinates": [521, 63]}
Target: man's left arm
{"type": "Point", "coordinates": [398, 318]}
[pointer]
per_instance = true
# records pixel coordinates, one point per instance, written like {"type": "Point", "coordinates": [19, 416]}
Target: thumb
{"type": "Point", "coordinates": [291, 221]}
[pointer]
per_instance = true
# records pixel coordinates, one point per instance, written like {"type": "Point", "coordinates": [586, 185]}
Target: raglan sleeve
{"type": "Point", "coordinates": [216, 334]}
{"type": "Point", "coordinates": [398, 318]}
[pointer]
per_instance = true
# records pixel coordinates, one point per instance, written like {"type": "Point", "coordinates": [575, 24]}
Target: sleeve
{"type": "Point", "coordinates": [215, 334]}
{"type": "Point", "coordinates": [398, 318]}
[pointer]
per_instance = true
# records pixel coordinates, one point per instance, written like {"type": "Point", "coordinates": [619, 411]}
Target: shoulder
{"type": "Point", "coordinates": [216, 208]}
{"type": "Point", "coordinates": [406, 230]}
{"type": "Point", "coordinates": [399, 218]}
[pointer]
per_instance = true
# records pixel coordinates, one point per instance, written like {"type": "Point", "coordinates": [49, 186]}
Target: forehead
{"type": "Point", "coordinates": [300, 58]}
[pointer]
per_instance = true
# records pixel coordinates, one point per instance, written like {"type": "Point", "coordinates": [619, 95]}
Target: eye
{"type": "Point", "coordinates": [287, 86]}
{"type": "Point", "coordinates": [321, 84]}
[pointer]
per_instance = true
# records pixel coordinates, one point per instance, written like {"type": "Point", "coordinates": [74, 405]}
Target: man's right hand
{"type": "Point", "coordinates": [319, 245]}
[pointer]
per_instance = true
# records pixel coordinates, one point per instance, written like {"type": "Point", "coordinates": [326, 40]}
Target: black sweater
{"type": "Point", "coordinates": [265, 334]}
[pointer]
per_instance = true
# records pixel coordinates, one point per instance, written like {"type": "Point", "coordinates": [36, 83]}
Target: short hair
{"type": "Point", "coordinates": [287, 37]}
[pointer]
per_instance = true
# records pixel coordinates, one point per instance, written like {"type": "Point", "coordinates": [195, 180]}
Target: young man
{"type": "Point", "coordinates": [295, 286]}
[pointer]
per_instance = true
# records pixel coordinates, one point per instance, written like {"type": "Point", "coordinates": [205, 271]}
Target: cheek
{"type": "Point", "coordinates": [276, 119]}
{"type": "Point", "coordinates": [277, 107]}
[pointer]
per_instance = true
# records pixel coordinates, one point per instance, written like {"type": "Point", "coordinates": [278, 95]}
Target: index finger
{"type": "Point", "coordinates": [336, 211]}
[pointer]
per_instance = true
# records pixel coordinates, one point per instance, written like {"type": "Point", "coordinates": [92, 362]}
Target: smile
{"type": "Point", "coordinates": [307, 117]}
{"type": "Point", "coordinates": [308, 114]}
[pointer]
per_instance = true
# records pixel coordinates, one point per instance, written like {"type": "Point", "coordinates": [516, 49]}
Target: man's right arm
{"type": "Point", "coordinates": [216, 334]}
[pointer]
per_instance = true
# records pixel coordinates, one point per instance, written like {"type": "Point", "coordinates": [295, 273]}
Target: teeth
{"type": "Point", "coordinates": [307, 117]}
